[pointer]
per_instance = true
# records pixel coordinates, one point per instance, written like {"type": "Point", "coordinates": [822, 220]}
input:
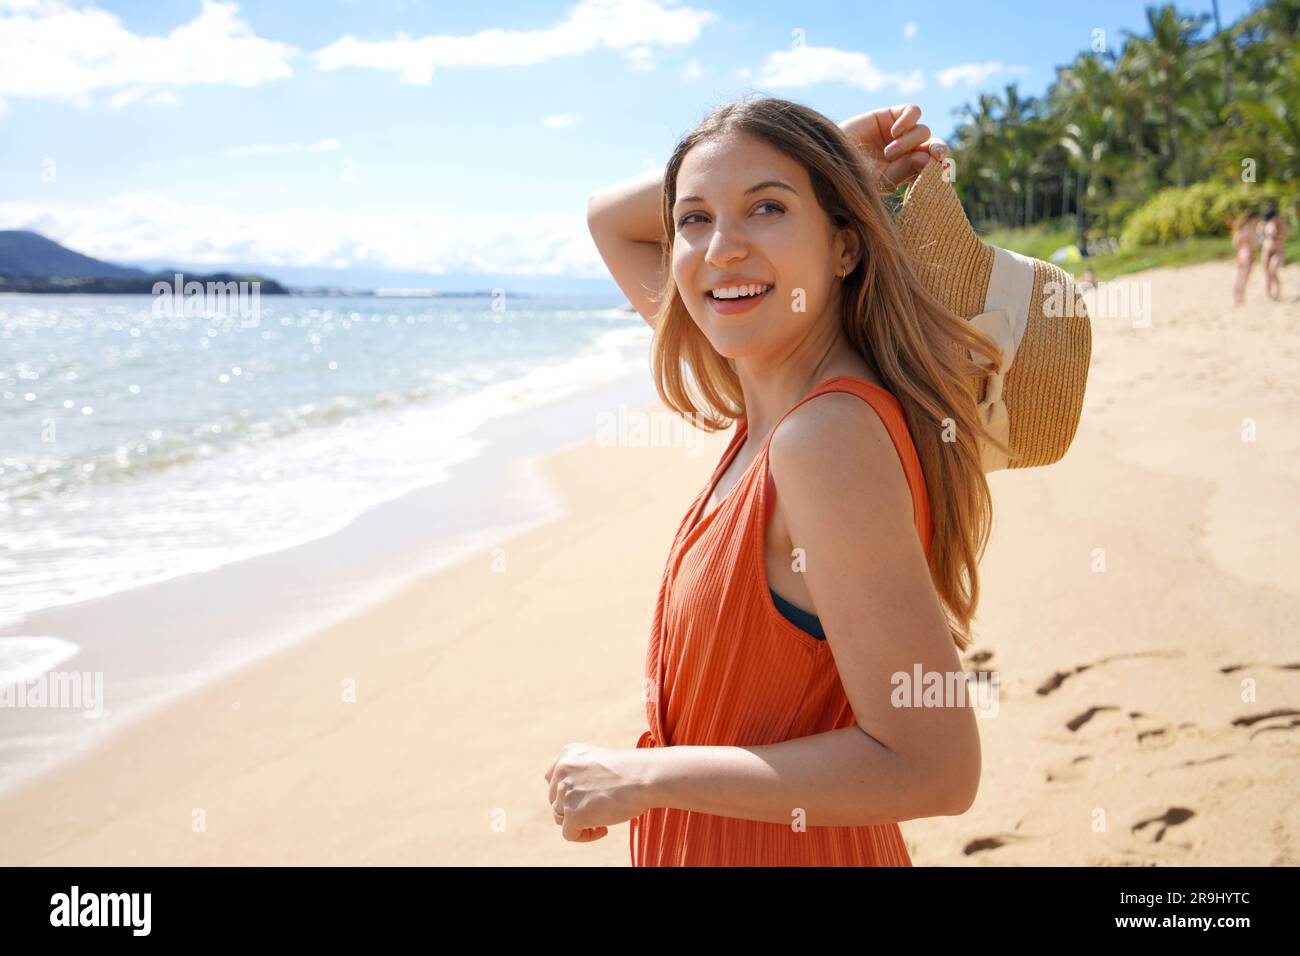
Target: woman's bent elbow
{"type": "Point", "coordinates": [955, 785]}
{"type": "Point", "coordinates": [595, 208]}
{"type": "Point", "coordinates": [964, 801]}
{"type": "Point", "coordinates": [963, 788]}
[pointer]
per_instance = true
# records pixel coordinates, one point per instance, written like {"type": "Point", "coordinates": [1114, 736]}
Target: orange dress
{"type": "Point", "coordinates": [726, 668]}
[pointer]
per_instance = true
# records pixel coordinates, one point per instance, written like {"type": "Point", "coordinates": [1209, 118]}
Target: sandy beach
{"type": "Point", "coordinates": [1138, 605]}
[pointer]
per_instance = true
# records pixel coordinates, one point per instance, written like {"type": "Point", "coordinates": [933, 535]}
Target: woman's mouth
{"type": "Point", "coordinates": [736, 304]}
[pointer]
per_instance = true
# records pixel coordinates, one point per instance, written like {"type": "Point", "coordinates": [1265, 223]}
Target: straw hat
{"type": "Point", "coordinates": [1030, 308]}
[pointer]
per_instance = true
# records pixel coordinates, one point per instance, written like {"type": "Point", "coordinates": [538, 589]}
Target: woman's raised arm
{"type": "Point", "coordinates": [626, 223]}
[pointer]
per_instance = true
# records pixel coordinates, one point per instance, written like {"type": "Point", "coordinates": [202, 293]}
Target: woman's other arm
{"type": "Point", "coordinates": [847, 504]}
{"type": "Point", "coordinates": [625, 221]}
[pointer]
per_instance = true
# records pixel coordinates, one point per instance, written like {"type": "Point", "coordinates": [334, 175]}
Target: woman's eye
{"type": "Point", "coordinates": [686, 220]}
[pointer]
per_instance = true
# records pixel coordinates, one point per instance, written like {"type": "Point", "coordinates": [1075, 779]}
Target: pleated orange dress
{"type": "Point", "coordinates": [726, 668]}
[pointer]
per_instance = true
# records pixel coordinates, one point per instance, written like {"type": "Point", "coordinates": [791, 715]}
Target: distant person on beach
{"type": "Point", "coordinates": [1089, 280]}
{"type": "Point", "coordinates": [1245, 237]}
{"type": "Point", "coordinates": [782, 299]}
{"type": "Point", "coordinates": [1275, 232]}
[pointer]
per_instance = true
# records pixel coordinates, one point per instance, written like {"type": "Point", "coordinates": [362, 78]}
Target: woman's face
{"type": "Point", "coordinates": [746, 213]}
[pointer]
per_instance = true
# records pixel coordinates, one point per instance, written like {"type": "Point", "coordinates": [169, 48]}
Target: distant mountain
{"type": "Point", "coordinates": [30, 255]}
{"type": "Point", "coordinates": [29, 262]}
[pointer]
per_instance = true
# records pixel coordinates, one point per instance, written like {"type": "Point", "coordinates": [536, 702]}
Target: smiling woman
{"type": "Point", "coordinates": [781, 300]}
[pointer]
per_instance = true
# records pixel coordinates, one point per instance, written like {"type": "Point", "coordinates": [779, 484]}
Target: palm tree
{"type": "Point", "coordinates": [1270, 115]}
{"type": "Point", "coordinates": [1169, 62]}
{"type": "Point", "coordinates": [1016, 117]}
{"type": "Point", "coordinates": [1278, 23]}
{"type": "Point", "coordinates": [1133, 112]}
{"type": "Point", "coordinates": [1226, 55]}
{"type": "Point", "coordinates": [977, 152]}
{"type": "Point", "coordinates": [1119, 126]}
{"type": "Point", "coordinates": [1085, 94]}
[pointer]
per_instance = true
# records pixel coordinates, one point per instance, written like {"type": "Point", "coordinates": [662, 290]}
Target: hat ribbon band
{"type": "Point", "coordinates": [993, 414]}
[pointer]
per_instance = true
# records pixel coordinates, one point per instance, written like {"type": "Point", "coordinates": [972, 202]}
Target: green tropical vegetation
{"type": "Point", "coordinates": [1142, 151]}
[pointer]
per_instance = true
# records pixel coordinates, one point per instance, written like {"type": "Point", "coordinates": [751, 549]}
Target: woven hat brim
{"type": "Point", "coordinates": [1044, 388]}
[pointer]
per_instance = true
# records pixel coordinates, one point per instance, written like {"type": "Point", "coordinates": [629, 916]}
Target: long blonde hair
{"type": "Point", "coordinates": [921, 351]}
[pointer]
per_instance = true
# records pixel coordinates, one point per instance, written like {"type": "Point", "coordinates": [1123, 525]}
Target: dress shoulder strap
{"type": "Point", "coordinates": [878, 398]}
{"type": "Point", "coordinates": [891, 413]}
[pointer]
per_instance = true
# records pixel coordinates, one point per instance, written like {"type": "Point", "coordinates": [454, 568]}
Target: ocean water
{"type": "Point", "coordinates": [137, 445]}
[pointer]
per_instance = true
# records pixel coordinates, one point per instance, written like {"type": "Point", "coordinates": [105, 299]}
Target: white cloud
{"type": "Point", "coordinates": [52, 51]}
{"type": "Point", "coordinates": [806, 65]}
{"type": "Point", "coordinates": [29, 6]}
{"type": "Point", "coordinates": [280, 149]}
{"type": "Point", "coordinates": [640, 58]}
{"type": "Point", "coordinates": [143, 94]}
{"type": "Point", "coordinates": [634, 27]}
{"type": "Point", "coordinates": [692, 70]}
{"type": "Point", "coordinates": [909, 29]}
{"type": "Point", "coordinates": [912, 82]}
{"type": "Point", "coordinates": [972, 74]}
{"type": "Point", "coordinates": [561, 120]}
{"type": "Point", "coordinates": [149, 227]}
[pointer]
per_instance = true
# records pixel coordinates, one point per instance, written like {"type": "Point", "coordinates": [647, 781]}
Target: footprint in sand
{"type": "Point", "coordinates": [1170, 818]}
{"type": "Point", "coordinates": [1278, 715]}
{"type": "Point", "coordinates": [1231, 668]}
{"type": "Point", "coordinates": [1074, 723]}
{"type": "Point", "coordinates": [985, 844]}
{"type": "Point", "coordinates": [1190, 763]}
{"type": "Point", "coordinates": [1069, 772]}
{"type": "Point", "coordinates": [1060, 677]}
{"type": "Point", "coordinates": [1158, 737]}
{"type": "Point", "coordinates": [976, 660]}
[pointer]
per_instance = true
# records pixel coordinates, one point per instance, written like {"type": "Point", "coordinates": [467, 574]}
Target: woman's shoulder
{"type": "Point", "coordinates": [841, 431]}
{"type": "Point", "coordinates": [839, 448]}
{"type": "Point", "coordinates": [842, 411]}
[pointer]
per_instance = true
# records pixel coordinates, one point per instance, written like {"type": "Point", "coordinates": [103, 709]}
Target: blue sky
{"type": "Point", "coordinates": [385, 142]}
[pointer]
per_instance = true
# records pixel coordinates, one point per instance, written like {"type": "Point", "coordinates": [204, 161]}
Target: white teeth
{"type": "Point", "coordinates": [740, 291]}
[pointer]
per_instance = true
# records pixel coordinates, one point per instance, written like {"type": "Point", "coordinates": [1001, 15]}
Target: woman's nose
{"type": "Point", "coordinates": [724, 247]}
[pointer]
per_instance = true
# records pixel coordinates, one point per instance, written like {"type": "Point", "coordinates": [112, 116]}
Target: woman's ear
{"type": "Point", "coordinates": [851, 251]}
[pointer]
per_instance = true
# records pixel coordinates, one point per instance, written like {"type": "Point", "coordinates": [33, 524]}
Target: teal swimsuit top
{"type": "Point", "coordinates": [799, 617]}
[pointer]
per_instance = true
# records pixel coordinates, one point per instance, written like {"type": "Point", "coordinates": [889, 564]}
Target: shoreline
{"type": "Point", "coordinates": [274, 746]}
{"type": "Point", "coordinates": [128, 639]}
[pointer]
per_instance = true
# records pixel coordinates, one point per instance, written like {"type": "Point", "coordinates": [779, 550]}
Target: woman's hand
{"type": "Point", "coordinates": [593, 788]}
{"type": "Point", "coordinates": [895, 144]}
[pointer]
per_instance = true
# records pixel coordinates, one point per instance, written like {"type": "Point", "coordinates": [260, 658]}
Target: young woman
{"type": "Point", "coordinates": [1275, 232]}
{"type": "Point", "coordinates": [824, 562]}
{"type": "Point", "coordinates": [1245, 237]}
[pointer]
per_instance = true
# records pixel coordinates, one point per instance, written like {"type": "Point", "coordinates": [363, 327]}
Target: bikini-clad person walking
{"type": "Point", "coordinates": [1245, 237]}
{"type": "Point", "coordinates": [1275, 232]}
